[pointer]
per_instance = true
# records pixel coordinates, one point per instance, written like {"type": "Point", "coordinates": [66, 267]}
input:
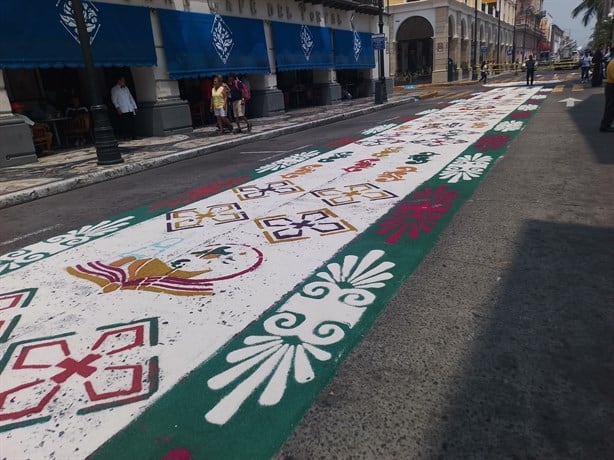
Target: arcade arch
{"type": "Point", "coordinates": [415, 49]}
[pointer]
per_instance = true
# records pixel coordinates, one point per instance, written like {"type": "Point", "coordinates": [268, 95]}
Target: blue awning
{"type": "Point", "coordinates": [299, 46]}
{"type": "Point", "coordinates": [353, 50]}
{"type": "Point", "coordinates": [42, 33]}
{"type": "Point", "coordinates": [201, 45]}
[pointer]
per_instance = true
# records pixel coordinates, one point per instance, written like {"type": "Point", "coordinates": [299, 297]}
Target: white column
{"type": "Point", "coordinates": [5, 104]}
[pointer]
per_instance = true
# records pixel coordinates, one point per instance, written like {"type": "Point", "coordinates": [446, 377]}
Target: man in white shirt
{"type": "Point", "coordinates": [126, 108]}
{"type": "Point", "coordinates": [586, 62]}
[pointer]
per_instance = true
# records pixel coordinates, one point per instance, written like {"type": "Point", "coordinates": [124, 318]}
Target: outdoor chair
{"type": "Point", "coordinates": [42, 136]}
{"type": "Point", "coordinates": [78, 128]}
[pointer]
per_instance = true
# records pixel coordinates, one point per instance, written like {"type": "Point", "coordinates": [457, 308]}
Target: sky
{"type": "Point", "coordinates": [560, 10]}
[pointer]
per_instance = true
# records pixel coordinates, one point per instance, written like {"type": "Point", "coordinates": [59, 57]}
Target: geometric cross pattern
{"type": "Point", "coordinates": [352, 194]}
{"type": "Point", "coordinates": [436, 139]}
{"type": "Point", "coordinates": [284, 229]}
{"type": "Point", "coordinates": [253, 192]}
{"type": "Point", "coordinates": [45, 377]}
{"type": "Point", "coordinates": [10, 302]}
{"type": "Point", "coordinates": [193, 218]}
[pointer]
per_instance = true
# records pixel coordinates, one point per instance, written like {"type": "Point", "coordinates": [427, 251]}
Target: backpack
{"type": "Point", "coordinates": [244, 89]}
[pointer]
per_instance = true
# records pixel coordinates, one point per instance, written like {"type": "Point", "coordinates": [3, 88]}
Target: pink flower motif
{"type": "Point", "coordinates": [520, 115]}
{"type": "Point", "coordinates": [419, 214]}
{"type": "Point", "coordinates": [492, 142]}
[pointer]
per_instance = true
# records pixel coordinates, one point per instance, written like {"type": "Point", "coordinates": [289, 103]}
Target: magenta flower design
{"type": "Point", "coordinates": [492, 142]}
{"type": "Point", "coordinates": [520, 115]}
{"type": "Point", "coordinates": [419, 214]}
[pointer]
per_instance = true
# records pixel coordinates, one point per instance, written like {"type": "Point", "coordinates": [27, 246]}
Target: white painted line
{"type": "Point", "coordinates": [270, 157]}
{"type": "Point", "coordinates": [520, 83]}
{"type": "Point", "coordinates": [300, 148]}
{"type": "Point", "coordinates": [23, 237]}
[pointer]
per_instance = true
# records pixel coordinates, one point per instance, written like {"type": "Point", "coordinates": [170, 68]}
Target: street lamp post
{"type": "Point", "coordinates": [498, 31]}
{"type": "Point", "coordinates": [380, 85]}
{"type": "Point", "coordinates": [474, 66]}
{"type": "Point", "coordinates": [107, 150]}
{"type": "Point", "coordinates": [514, 36]}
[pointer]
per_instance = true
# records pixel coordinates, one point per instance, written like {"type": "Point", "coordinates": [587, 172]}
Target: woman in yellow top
{"type": "Point", "coordinates": [219, 101]}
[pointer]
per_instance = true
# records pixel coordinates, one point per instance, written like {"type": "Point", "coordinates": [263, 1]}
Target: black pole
{"type": "Point", "coordinates": [107, 150]}
{"type": "Point", "coordinates": [524, 33]}
{"type": "Point", "coordinates": [514, 35]}
{"type": "Point", "coordinates": [498, 33]}
{"type": "Point", "coordinates": [380, 86]}
{"type": "Point", "coordinates": [474, 75]}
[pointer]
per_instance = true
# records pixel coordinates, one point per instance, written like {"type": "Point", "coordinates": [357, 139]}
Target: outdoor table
{"type": "Point", "coordinates": [54, 126]}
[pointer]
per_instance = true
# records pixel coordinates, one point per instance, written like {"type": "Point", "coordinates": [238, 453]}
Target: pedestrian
{"type": "Point", "coordinates": [126, 108]}
{"type": "Point", "coordinates": [585, 65]}
{"type": "Point", "coordinates": [608, 111]}
{"type": "Point", "coordinates": [75, 108]}
{"type": "Point", "coordinates": [206, 85]}
{"type": "Point", "coordinates": [530, 66]}
{"type": "Point", "coordinates": [484, 74]}
{"type": "Point", "coordinates": [597, 70]}
{"type": "Point", "coordinates": [219, 104]}
{"type": "Point", "coordinates": [238, 100]}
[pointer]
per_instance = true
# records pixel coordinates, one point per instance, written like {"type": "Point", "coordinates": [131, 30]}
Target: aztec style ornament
{"type": "Point", "coordinates": [283, 229]}
{"type": "Point", "coordinates": [466, 167]}
{"type": "Point", "coordinates": [192, 218]}
{"type": "Point", "coordinates": [38, 374]}
{"type": "Point", "coordinates": [299, 332]}
{"type": "Point", "coordinates": [191, 274]}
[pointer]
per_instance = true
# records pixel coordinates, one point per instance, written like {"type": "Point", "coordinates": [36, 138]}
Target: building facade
{"type": "Point", "coordinates": [434, 40]}
{"type": "Point", "coordinates": [530, 37]}
{"type": "Point", "coordinates": [291, 53]}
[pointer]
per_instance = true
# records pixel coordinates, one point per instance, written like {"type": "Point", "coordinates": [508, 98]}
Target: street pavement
{"type": "Point", "coordinates": [499, 345]}
{"type": "Point", "coordinates": [206, 323]}
{"type": "Point", "coordinates": [72, 168]}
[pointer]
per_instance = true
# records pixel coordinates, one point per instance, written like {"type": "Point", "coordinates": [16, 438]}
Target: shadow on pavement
{"type": "Point", "coordinates": [587, 116]}
{"type": "Point", "coordinates": [540, 381]}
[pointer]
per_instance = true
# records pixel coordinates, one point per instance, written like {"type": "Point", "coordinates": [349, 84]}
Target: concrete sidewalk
{"type": "Point", "coordinates": [74, 168]}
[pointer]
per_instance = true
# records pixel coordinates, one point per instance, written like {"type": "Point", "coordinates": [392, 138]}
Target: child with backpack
{"type": "Point", "coordinates": [239, 95]}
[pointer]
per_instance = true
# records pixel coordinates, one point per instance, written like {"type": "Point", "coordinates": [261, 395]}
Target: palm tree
{"type": "Point", "coordinates": [590, 8]}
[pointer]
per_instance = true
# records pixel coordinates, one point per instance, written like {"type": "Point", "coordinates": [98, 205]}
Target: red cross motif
{"type": "Point", "coordinates": [29, 377]}
{"type": "Point", "coordinates": [72, 367]}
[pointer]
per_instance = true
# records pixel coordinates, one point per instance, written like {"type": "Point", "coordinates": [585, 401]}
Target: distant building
{"type": "Point", "coordinates": [428, 36]}
{"type": "Point", "coordinates": [529, 33]}
{"type": "Point", "coordinates": [556, 39]}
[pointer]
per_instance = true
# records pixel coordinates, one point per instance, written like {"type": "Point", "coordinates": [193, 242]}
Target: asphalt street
{"type": "Point", "coordinates": [499, 345]}
{"type": "Point", "coordinates": [23, 224]}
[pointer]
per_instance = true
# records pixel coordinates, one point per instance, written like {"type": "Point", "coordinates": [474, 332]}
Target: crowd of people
{"type": "Point", "coordinates": [593, 64]}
